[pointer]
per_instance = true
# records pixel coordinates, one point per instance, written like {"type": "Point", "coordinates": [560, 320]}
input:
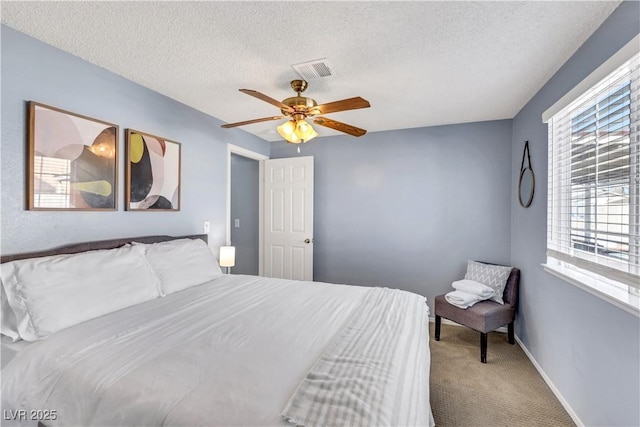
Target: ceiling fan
{"type": "Point", "coordinates": [297, 130]}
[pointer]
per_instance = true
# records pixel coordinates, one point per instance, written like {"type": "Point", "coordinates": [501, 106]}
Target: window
{"type": "Point", "coordinates": [593, 220]}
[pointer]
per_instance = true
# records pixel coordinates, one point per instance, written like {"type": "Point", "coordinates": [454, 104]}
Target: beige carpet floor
{"type": "Point", "coordinates": [506, 391]}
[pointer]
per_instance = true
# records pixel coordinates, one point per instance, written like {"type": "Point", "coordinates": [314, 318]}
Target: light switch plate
{"type": "Point", "coordinates": [206, 227]}
{"type": "Point", "coordinates": [236, 223]}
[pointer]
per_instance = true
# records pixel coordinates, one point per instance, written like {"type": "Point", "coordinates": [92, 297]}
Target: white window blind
{"type": "Point", "coordinates": [594, 178]}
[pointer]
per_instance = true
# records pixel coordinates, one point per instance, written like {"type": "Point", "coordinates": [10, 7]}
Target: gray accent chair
{"type": "Point", "coordinates": [484, 316]}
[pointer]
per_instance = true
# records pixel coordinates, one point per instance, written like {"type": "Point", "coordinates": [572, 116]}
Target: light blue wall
{"type": "Point", "coordinates": [408, 208]}
{"type": "Point", "coordinates": [403, 208]}
{"type": "Point", "coordinates": [245, 207]}
{"type": "Point", "coordinates": [32, 70]}
{"type": "Point", "coordinates": [589, 348]}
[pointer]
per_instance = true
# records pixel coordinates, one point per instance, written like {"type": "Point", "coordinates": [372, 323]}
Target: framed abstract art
{"type": "Point", "coordinates": [72, 161]}
{"type": "Point", "coordinates": [152, 173]}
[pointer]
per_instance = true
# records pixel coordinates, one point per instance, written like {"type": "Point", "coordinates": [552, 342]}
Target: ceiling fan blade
{"type": "Point", "coordinates": [248, 122]}
{"type": "Point", "coordinates": [342, 127]}
{"type": "Point", "coordinates": [342, 105]}
{"type": "Point", "coordinates": [266, 98]}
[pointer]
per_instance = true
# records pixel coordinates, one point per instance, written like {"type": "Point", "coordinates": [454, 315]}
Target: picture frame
{"type": "Point", "coordinates": [153, 170]}
{"type": "Point", "coordinates": [72, 161]}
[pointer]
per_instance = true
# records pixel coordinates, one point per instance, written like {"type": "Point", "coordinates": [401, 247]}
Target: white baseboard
{"type": "Point", "coordinates": [544, 376]}
{"type": "Point", "coordinates": [553, 388]}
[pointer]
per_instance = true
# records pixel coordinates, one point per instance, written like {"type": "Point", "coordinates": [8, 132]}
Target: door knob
{"type": "Point", "coordinates": [307, 240]}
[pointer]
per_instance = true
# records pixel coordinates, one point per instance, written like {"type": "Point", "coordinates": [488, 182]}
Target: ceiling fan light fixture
{"type": "Point", "coordinates": [297, 131]}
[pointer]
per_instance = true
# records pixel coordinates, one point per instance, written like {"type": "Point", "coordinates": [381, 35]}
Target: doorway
{"type": "Point", "coordinates": [273, 231]}
{"type": "Point", "coordinates": [244, 208]}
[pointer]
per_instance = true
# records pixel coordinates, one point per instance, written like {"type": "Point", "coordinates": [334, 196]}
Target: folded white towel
{"type": "Point", "coordinates": [473, 287]}
{"type": "Point", "coordinates": [462, 299]}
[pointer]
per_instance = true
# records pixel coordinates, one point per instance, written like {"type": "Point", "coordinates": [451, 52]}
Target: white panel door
{"type": "Point", "coordinates": [288, 218]}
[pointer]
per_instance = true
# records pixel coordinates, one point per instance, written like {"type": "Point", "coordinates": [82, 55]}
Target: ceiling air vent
{"type": "Point", "coordinates": [316, 69]}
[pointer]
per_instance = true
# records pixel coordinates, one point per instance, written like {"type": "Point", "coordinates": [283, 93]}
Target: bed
{"type": "Point", "coordinates": [157, 344]}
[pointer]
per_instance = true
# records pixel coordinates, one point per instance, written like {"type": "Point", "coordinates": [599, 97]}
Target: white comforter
{"type": "Point", "coordinates": [229, 352]}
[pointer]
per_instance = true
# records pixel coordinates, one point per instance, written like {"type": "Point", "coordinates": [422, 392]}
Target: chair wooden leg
{"type": "Point", "coordinates": [483, 347]}
{"type": "Point", "coordinates": [511, 334]}
{"type": "Point", "coordinates": [438, 323]}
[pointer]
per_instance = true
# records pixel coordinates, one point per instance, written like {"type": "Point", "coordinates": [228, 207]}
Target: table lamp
{"type": "Point", "coordinates": [227, 257]}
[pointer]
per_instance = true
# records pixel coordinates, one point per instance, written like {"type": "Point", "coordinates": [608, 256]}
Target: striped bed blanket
{"type": "Point", "coordinates": [376, 370]}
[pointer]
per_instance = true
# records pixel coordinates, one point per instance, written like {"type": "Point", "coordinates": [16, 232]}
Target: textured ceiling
{"type": "Point", "coordinates": [418, 63]}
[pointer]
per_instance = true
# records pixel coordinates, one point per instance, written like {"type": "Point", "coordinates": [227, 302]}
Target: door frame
{"type": "Point", "coordinates": [244, 152]}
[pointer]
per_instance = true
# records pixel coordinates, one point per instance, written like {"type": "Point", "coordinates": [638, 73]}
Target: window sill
{"type": "Point", "coordinates": [614, 295]}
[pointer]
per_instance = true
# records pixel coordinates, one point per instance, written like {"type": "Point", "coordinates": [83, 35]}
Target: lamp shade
{"type": "Point", "coordinates": [227, 256]}
{"type": "Point", "coordinates": [305, 131]}
{"type": "Point", "coordinates": [287, 131]}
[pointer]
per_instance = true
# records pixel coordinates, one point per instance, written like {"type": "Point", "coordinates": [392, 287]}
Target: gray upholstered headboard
{"type": "Point", "coordinates": [101, 244]}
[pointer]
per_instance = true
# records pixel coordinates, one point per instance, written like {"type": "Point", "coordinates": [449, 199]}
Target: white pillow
{"type": "Point", "coordinates": [8, 323]}
{"type": "Point", "coordinates": [494, 276]}
{"type": "Point", "coordinates": [181, 263]}
{"type": "Point", "coordinates": [52, 293]}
